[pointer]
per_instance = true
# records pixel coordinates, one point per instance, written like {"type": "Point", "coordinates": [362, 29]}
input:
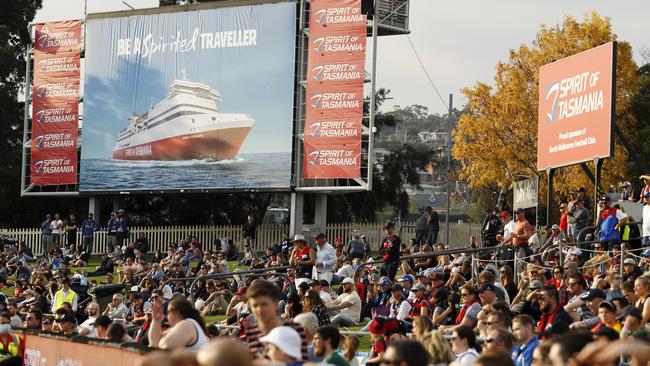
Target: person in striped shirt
{"type": "Point", "coordinates": [263, 299]}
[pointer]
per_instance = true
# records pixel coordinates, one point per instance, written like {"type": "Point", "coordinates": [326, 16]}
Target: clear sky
{"type": "Point", "coordinates": [459, 42]}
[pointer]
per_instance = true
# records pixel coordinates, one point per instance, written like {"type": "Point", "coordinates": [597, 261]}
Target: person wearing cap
{"type": "Point", "coordinates": [579, 218]}
{"type": "Point", "coordinates": [589, 318]}
{"type": "Point", "coordinates": [399, 305]}
{"type": "Point", "coordinates": [317, 285]}
{"type": "Point", "coordinates": [283, 345]}
{"type": "Point", "coordinates": [65, 294]}
{"type": "Point", "coordinates": [88, 228]}
{"type": "Point", "coordinates": [421, 306]}
{"type": "Point", "coordinates": [407, 282]}
{"type": "Point", "coordinates": [632, 318]}
{"type": "Point", "coordinates": [123, 231]}
{"type": "Point", "coordinates": [508, 227]}
{"type": "Point", "coordinates": [631, 270]}
{"type": "Point", "coordinates": [610, 222]}
{"type": "Point", "coordinates": [389, 251]}
{"type": "Point", "coordinates": [348, 304]}
{"type": "Point", "coordinates": [304, 257]}
{"type": "Point", "coordinates": [325, 259]}
{"type": "Point", "coordinates": [488, 293]}
{"type": "Point", "coordinates": [628, 193]}
{"type": "Point", "coordinates": [111, 232]}
{"type": "Point", "coordinates": [564, 220]}
{"type": "Point", "coordinates": [607, 317]}
{"type": "Point", "coordinates": [581, 194]}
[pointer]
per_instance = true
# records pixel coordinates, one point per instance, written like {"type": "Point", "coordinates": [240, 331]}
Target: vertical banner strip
{"type": "Point", "coordinates": [55, 109]}
{"type": "Point", "coordinates": [334, 90]}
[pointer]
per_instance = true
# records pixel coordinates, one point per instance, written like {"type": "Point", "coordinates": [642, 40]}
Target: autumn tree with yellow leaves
{"type": "Point", "coordinates": [496, 139]}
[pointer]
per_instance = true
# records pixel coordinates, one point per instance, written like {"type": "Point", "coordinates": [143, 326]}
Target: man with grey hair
{"type": "Point", "coordinates": [309, 321]}
{"type": "Point", "coordinates": [116, 309]}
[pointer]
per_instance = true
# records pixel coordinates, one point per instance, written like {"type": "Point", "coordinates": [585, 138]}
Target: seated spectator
{"type": "Point", "coordinates": [463, 344]}
{"type": "Point", "coordinates": [116, 309]}
{"type": "Point", "coordinates": [348, 305]}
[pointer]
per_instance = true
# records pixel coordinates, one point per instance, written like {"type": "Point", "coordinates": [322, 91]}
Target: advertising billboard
{"type": "Point", "coordinates": [576, 108]}
{"type": "Point", "coordinates": [334, 92]}
{"type": "Point", "coordinates": [525, 194]}
{"type": "Point", "coordinates": [55, 95]}
{"type": "Point", "coordinates": [197, 100]}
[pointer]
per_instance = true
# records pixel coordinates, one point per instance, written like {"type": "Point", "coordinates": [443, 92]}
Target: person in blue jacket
{"type": "Point", "coordinates": [88, 228]}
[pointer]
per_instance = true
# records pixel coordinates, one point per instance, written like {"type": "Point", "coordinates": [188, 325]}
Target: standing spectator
{"type": "Point", "coordinates": [366, 246]}
{"type": "Point", "coordinates": [325, 259]}
{"type": "Point", "coordinates": [122, 228]}
{"type": "Point", "coordinates": [421, 225]}
{"type": "Point", "coordinates": [390, 252]}
{"type": "Point", "coordinates": [564, 220]}
{"type": "Point", "coordinates": [628, 192]}
{"type": "Point", "coordinates": [57, 229]}
{"type": "Point", "coordinates": [71, 227]}
{"type": "Point", "coordinates": [433, 225]}
{"type": "Point", "coordinates": [304, 257]}
{"type": "Point", "coordinates": [326, 345]}
{"type": "Point", "coordinates": [46, 234]}
{"type": "Point", "coordinates": [646, 220]}
{"type": "Point", "coordinates": [142, 243]}
{"type": "Point", "coordinates": [250, 230]}
{"type": "Point", "coordinates": [355, 248]}
{"type": "Point", "coordinates": [111, 232]}
{"type": "Point", "coordinates": [490, 228]}
{"type": "Point", "coordinates": [88, 228]}
{"type": "Point", "coordinates": [65, 294]}
{"type": "Point", "coordinates": [609, 222]}
{"type": "Point", "coordinates": [520, 235]}
{"type": "Point", "coordinates": [523, 330]}
{"type": "Point", "coordinates": [582, 195]}
{"type": "Point", "coordinates": [579, 219]}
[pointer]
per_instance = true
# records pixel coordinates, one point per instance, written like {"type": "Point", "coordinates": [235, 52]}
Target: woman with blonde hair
{"type": "Point", "coordinates": [421, 326]}
{"type": "Point", "coordinates": [350, 347]}
{"type": "Point", "coordinates": [438, 348]}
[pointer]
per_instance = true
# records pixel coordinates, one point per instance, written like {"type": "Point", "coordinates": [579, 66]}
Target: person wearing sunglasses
{"type": "Point", "coordinates": [34, 319]}
{"type": "Point", "coordinates": [499, 340]}
{"type": "Point", "coordinates": [463, 343]}
{"type": "Point", "coordinates": [468, 315]}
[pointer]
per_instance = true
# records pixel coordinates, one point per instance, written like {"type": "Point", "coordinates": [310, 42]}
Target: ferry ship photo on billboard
{"type": "Point", "coordinates": [185, 125]}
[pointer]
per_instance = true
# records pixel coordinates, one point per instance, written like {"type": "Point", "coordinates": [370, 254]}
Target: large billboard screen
{"type": "Point", "coordinates": [192, 100]}
{"type": "Point", "coordinates": [576, 108]}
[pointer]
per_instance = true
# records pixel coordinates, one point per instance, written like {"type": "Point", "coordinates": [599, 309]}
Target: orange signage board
{"type": "Point", "coordinates": [50, 351]}
{"type": "Point", "coordinates": [577, 98]}
{"type": "Point", "coordinates": [332, 160]}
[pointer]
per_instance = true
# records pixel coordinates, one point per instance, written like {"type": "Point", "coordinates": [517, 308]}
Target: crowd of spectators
{"type": "Point", "coordinates": [516, 296]}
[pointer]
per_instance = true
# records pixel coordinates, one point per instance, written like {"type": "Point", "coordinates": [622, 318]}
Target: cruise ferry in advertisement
{"type": "Point", "coordinates": [185, 125]}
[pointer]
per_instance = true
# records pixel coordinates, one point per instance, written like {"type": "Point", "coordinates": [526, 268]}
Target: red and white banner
{"type": "Point", "coordinates": [335, 76]}
{"type": "Point", "coordinates": [55, 109]}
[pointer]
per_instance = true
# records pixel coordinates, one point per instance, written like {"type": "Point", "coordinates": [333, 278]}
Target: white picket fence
{"type": "Point", "coordinates": [160, 237]}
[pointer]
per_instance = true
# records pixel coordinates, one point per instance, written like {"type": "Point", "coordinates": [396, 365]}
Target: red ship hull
{"type": "Point", "coordinates": [218, 145]}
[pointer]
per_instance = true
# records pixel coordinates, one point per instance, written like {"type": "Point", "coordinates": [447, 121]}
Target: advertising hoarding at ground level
{"type": "Point", "coordinates": [577, 98]}
{"type": "Point", "coordinates": [191, 100]}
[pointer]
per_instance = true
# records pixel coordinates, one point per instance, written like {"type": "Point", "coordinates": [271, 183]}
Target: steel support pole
{"type": "Point", "coordinates": [451, 101]}
{"type": "Point", "coordinates": [598, 163]}
{"type": "Point", "coordinates": [549, 196]}
{"type": "Point", "coordinates": [26, 124]}
{"type": "Point", "coordinates": [373, 91]}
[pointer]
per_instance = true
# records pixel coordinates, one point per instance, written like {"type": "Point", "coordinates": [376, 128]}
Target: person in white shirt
{"type": "Point", "coordinates": [316, 285]}
{"type": "Point", "coordinates": [57, 229]}
{"type": "Point", "coordinates": [116, 309]}
{"type": "Point", "coordinates": [508, 226]}
{"type": "Point", "coordinates": [645, 234]}
{"type": "Point", "coordinates": [399, 305]}
{"type": "Point", "coordinates": [348, 304]}
{"type": "Point", "coordinates": [325, 259]}
{"type": "Point", "coordinates": [87, 328]}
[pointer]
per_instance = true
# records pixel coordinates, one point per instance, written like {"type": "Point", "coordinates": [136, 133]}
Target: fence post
{"type": "Point", "coordinates": [622, 259]}
{"type": "Point", "coordinates": [515, 268]}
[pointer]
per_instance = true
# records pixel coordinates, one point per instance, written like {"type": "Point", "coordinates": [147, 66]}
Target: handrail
{"type": "Point", "coordinates": [229, 274]}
